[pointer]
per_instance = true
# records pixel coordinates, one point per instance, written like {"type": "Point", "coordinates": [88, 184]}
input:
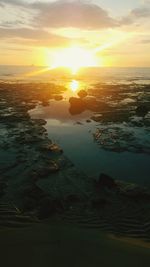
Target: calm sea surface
{"type": "Point", "coordinates": [109, 75]}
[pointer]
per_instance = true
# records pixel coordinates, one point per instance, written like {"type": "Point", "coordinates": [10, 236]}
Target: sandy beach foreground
{"type": "Point", "coordinates": [56, 244]}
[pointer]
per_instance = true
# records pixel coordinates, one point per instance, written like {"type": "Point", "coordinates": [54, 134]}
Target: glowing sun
{"type": "Point", "coordinates": [73, 58]}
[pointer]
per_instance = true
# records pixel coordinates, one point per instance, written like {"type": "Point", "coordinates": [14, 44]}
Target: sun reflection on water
{"type": "Point", "coordinates": [74, 85]}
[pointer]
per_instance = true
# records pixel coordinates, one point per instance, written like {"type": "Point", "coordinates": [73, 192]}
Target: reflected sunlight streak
{"type": "Point", "coordinates": [35, 73]}
{"type": "Point", "coordinates": [74, 85]}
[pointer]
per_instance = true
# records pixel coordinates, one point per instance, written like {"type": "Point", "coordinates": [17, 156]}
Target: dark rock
{"type": "Point", "coordinates": [71, 199]}
{"type": "Point", "coordinates": [28, 204]}
{"type": "Point", "coordinates": [137, 193]}
{"type": "Point", "coordinates": [45, 147]}
{"type": "Point", "coordinates": [99, 203]}
{"type": "Point", "coordinates": [142, 110]}
{"type": "Point", "coordinates": [2, 188]}
{"type": "Point", "coordinates": [77, 105]}
{"type": "Point", "coordinates": [82, 93]}
{"type": "Point", "coordinates": [58, 97]}
{"type": "Point", "coordinates": [116, 116]}
{"type": "Point", "coordinates": [90, 100]}
{"type": "Point", "coordinates": [106, 181]}
{"type": "Point", "coordinates": [94, 105]}
{"type": "Point", "coordinates": [49, 207]}
{"type": "Point", "coordinates": [55, 148]}
{"type": "Point", "coordinates": [96, 118]}
{"type": "Point", "coordinates": [53, 166]}
{"type": "Point", "coordinates": [28, 139]}
{"type": "Point", "coordinates": [45, 171]}
{"type": "Point", "coordinates": [50, 147]}
{"type": "Point", "coordinates": [34, 176]}
{"type": "Point", "coordinates": [34, 192]}
{"type": "Point", "coordinates": [80, 123]}
{"type": "Point", "coordinates": [31, 197]}
{"type": "Point", "coordinates": [40, 122]}
{"type": "Point", "coordinates": [45, 103]}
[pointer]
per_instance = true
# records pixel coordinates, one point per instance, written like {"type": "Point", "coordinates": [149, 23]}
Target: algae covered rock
{"type": "Point", "coordinates": [82, 93]}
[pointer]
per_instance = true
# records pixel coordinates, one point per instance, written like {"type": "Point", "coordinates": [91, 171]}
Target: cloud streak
{"type": "Point", "coordinates": [74, 14]}
{"type": "Point", "coordinates": [32, 37]}
{"type": "Point", "coordinates": [61, 14]}
{"type": "Point", "coordinates": [79, 14]}
{"type": "Point", "coordinates": [13, 2]}
{"type": "Point", "coordinates": [136, 15]}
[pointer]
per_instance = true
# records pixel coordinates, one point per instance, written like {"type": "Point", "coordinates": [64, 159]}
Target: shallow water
{"type": "Point", "coordinates": [75, 136]}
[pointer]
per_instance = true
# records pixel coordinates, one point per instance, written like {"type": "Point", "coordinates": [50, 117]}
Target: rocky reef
{"type": "Point", "coordinates": [39, 179]}
{"type": "Point", "coordinates": [33, 170]}
{"type": "Point", "coordinates": [123, 103]}
{"type": "Point", "coordinates": [121, 138]}
{"type": "Point", "coordinates": [124, 123]}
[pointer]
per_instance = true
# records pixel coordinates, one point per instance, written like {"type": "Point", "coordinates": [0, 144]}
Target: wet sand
{"type": "Point", "coordinates": [57, 244]}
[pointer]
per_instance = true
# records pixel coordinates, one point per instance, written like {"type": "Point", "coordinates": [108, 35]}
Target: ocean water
{"type": "Point", "coordinates": [88, 75]}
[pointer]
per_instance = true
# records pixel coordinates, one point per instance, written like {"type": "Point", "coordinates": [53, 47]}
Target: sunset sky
{"type": "Point", "coordinates": [116, 32]}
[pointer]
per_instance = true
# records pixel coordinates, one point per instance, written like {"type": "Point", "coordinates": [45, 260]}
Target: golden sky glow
{"type": "Point", "coordinates": [75, 34]}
